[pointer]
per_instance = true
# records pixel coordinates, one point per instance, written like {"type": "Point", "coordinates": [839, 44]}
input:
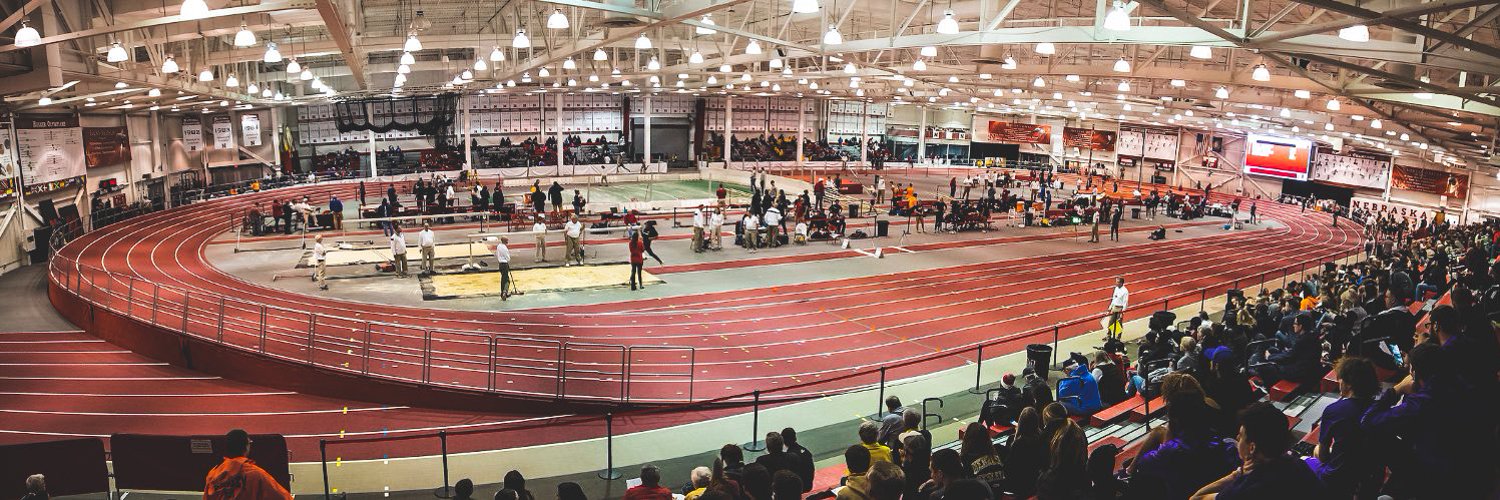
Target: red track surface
{"type": "Point", "coordinates": [743, 340]}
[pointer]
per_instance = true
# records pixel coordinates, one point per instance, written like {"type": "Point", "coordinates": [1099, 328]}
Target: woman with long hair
{"type": "Point", "coordinates": [648, 235]}
{"type": "Point", "coordinates": [1066, 476]}
{"type": "Point", "coordinates": [978, 454]}
{"type": "Point", "coordinates": [1027, 454]}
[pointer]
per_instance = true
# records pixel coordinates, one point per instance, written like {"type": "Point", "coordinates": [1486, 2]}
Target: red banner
{"type": "Point", "coordinates": [1018, 133]}
{"type": "Point", "coordinates": [104, 146]}
{"type": "Point", "coordinates": [1083, 138]}
{"type": "Point", "coordinates": [1436, 182]}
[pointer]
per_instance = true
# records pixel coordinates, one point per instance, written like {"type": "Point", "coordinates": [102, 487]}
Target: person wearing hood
{"type": "Point", "coordinates": [1036, 393]}
{"type": "Point", "coordinates": [238, 477]}
{"type": "Point", "coordinates": [1079, 392]}
{"type": "Point", "coordinates": [1005, 406]}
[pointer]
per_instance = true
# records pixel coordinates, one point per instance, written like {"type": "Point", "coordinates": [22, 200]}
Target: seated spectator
{"type": "Point", "coordinates": [775, 459]}
{"type": "Point", "coordinates": [785, 486]}
{"type": "Point", "coordinates": [506, 494]}
{"type": "Point", "coordinates": [1027, 454]}
{"type": "Point", "coordinates": [1267, 471]}
{"type": "Point", "coordinates": [1346, 454]}
{"type": "Point", "coordinates": [1002, 410]}
{"type": "Point", "coordinates": [1447, 434]}
{"type": "Point", "coordinates": [1036, 393]}
{"type": "Point", "coordinates": [734, 460]}
{"type": "Point", "coordinates": [570, 491]}
{"type": "Point", "coordinates": [514, 481]}
{"type": "Point", "coordinates": [650, 487]}
{"type": "Point", "coordinates": [36, 488]}
{"type": "Point", "coordinates": [718, 482]}
{"type": "Point", "coordinates": [1393, 326]}
{"type": "Point", "coordinates": [979, 456]}
{"type": "Point", "coordinates": [463, 489]}
{"type": "Point", "coordinates": [698, 482]}
{"type": "Point", "coordinates": [1111, 378]}
{"type": "Point", "coordinates": [911, 421]}
{"type": "Point", "coordinates": [803, 466]}
{"type": "Point", "coordinates": [756, 482]}
{"type": "Point", "coordinates": [886, 481]}
{"type": "Point", "coordinates": [1079, 392]}
{"type": "Point", "coordinates": [916, 463]}
{"type": "Point", "coordinates": [947, 467]}
{"type": "Point", "coordinates": [1191, 456]}
{"type": "Point", "coordinates": [1066, 476]}
{"type": "Point", "coordinates": [856, 484]}
{"type": "Point", "coordinates": [1298, 362]}
{"type": "Point", "coordinates": [238, 476]}
{"type": "Point", "coordinates": [867, 434]}
{"type": "Point", "coordinates": [1191, 359]}
{"type": "Point", "coordinates": [892, 423]}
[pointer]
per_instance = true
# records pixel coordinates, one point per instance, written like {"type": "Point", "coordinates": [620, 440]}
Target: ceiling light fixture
{"type": "Point", "coordinates": [1260, 73]}
{"type": "Point", "coordinates": [708, 20]}
{"type": "Point", "coordinates": [480, 65]}
{"type": "Point", "coordinates": [116, 53]}
{"type": "Point", "coordinates": [496, 55]}
{"type": "Point", "coordinates": [521, 41]}
{"type": "Point", "coordinates": [1038, 82]}
{"type": "Point", "coordinates": [832, 37]}
{"type": "Point", "coordinates": [28, 36]}
{"type": "Point", "coordinates": [1046, 48]}
{"type": "Point", "coordinates": [293, 67]}
{"type": "Point", "coordinates": [919, 65]}
{"type": "Point", "coordinates": [169, 66]}
{"type": "Point", "coordinates": [306, 73]}
{"type": "Point", "coordinates": [1072, 78]}
{"type": "Point", "coordinates": [193, 9]}
{"type": "Point", "coordinates": [928, 51]}
{"type": "Point", "coordinates": [1176, 82]}
{"type": "Point", "coordinates": [412, 43]}
{"type": "Point", "coordinates": [1122, 66]}
{"type": "Point", "coordinates": [948, 26]}
{"type": "Point", "coordinates": [1118, 18]}
{"type": "Point", "coordinates": [251, 89]}
{"type": "Point", "coordinates": [642, 42]}
{"type": "Point", "coordinates": [543, 72]}
{"type": "Point", "coordinates": [752, 48]}
{"type": "Point", "coordinates": [244, 37]}
{"type": "Point", "coordinates": [1222, 93]}
{"type": "Point", "coordinates": [232, 81]}
{"type": "Point", "coordinates": [207, 75]}
{"type": "Point", "coordinates": [1124, 86]}
{"type": "Point", "coordinates": [1201, 52]}
{"type": "Point", "coordinates": [569, 64]}
{"type": "Point", "coordinates": [805, 6]}
{"type": "Point", "coordinates": [557, 20]}
{"type": "Point", "coordinates": [1357, 33]}
{"type": "Point", "coordinates": [1008, 63]}
{"type": "Point", "coordinates": [1333, 105]}
{"type": "Point", "coordinates": [153, 93]}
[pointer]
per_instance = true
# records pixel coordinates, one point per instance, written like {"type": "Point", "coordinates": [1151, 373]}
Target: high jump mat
{"type": "Point", "coordinates": [531, 280]}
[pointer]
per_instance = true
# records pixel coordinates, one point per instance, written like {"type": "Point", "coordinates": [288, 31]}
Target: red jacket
{"type": "Point", "coordinates": [637, 251]}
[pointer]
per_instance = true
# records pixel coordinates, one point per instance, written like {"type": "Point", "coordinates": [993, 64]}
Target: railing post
{"type": "Point", "coordinates": [978, 366]}
{"type": "Point", "coordinates": [755, 443]}
{"type": "Point", "coordinates": [609, 473]}
{"type": "Point", "coordinates": [365, 354]}
{"type": "Point", "coordinates": [1055, 328]}
{"type": "Point", "coordinates": [443, 443]}
{"type": "Point", "coordinates": [880, 403]}
{"type": "Point", "coordinates": [130, 297]}
{"type": "Point", "coordinates": [1147, 403]}
{"type": "Point", "coordinates": [1202, 299]}
{"type": "Point", "coordinates": [323, 454]}
{"type": "Point", "coordinates": [186, 297]}
{"type": "Point", "coordinates": [262, 329]}
{"type": "Point", "coordinates": [426, 356]}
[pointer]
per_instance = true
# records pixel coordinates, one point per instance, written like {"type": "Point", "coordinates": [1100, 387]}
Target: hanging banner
{"type": "Point", "coordinates": [49, 150]}
{"type": "Point", "coordinates": [1435, 182]}
{"type": "Point", "coordinates": [1130, 143]}
{"type": "Point", "coordinates": [250, 129]}
{"type": "Point", "coordinates": [192, 134]}
{"type": "Point", "coordinates": [103, 146]}
{"type": "Point", "coordinates": [1354, 168]}
{"type": "Point", "coordinates": [223, 132]}
{"type": "Point", "coordinates": [1018, 133]}
{"type": "Point", "coordinates": [1160, 147]}
{"type": "Point", "coordinates": [1083, 138]}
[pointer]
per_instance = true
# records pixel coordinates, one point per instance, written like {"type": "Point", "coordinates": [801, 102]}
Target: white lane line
{"type": "Point", "coordinates": [2, 353]}
{"type": "Point", "coordinates": [84, 364]}
{"type": "Point", "coordinates": [433, 428]}
{"type": "Point", "coordinates": [231, 414]}
{"type": "Point", "coordinates": [111, 379]}
{"type": "Point", "coordinates": [78, 341]}
{"type": "Point", "coordinates": [92, 395]}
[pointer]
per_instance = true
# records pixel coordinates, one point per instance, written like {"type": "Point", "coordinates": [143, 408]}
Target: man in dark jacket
{"type": "Point", "coordinates": [556, 194]}
{"type": "Point", "coordinates": [1005, 406]}
{"type": "Point", "coordinates": [1447, 439]}
{"type": "Point", "coordinates": [1395, 325]}
{"type": "Point", "coordinates": [1298, 362]}
{"type": "Point", "coordinates": [776, 457]}
{"type": "Point", "coordinates": [803, 465]}
{"type": "Point", "coordinates": [1036, 393]}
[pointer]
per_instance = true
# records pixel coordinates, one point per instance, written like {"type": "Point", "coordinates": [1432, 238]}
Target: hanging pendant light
{"type": "Point", "coordinates": [1260, 73]}
{"type": "Point", "coordinates": [44, 101]}
{"type": "Point", "coordinates": [804, 6]}
{"type": "Point", "coordinates": [1046, 48]}
{"type": "Point", "coordinates": [28, 36]}
{"type": "Point", "coordinates": [521, 41]}
{"type": "Point", "coordinates": [1038, 82]}
{"type": "Point", "coordinates": [207, 75]}
{"type": "Point", "coordinates": [273, 54]}
{"type": "Point", "coordinates": [412, 43]}
{"type": "Point", "coordinates": [1333, 105]}
{"type": "Point", "coordinates": [919, 65]}
{"type": "Point", "coordinates": [1122, 66]}
{"type": "Point", "coordinates": [1285, 113]}
{"type": "Point", "coordinates": [696, 58]}
{"type": "Point", "coordinates": [557, 20]}
{"type": "Point", "coordinates": [1008, 63]}
{"type": "Point", "coordinates": [244, 37]}
{"type": "Point", "coordinates": [928, 51]}
{"type": "Point", "coordinates": [1375, 123]}
{"type": "Point", "coordinates": [543, 72]}
{"type": "Point", "coordinates": [599, 55]}
{"type": "Point", "coordinates": [479, 65]}
{"type": "Point", "coordinates": [1124, 86]}
{"type": "Point", "coordinates": [170, 65]}
{"type": "Point", "coordinates": [400, 79]}
{"type": "Point", "coordinates": [752, 48]}
{"type": "Point", "coordinates": [496, 55]}
{"type": "Point", "coordinates": [1201, 52]}
{"type": "Point", "coordinates": [155, 92]}
{"type": "Point", "coordinates": [251, 89]}
{"type": "Point", "coordinates": [306, 74]}
{"type": "Point", "coordinates": [1302, 94]}
{"type": "Point", "coordinates": [293, 67]}
{"type": "Point", "coordinates": [467, 75]}
{"type": "Point", "coordinates": [594, 77]}
{"type": "Point", "coordinates": [457, 80]}
{"type": "Point", "coordinates": [1357, 33]}
{"type": "Point", "coordinates": [569, 64]}
{"type": "Point", "coordinates": [651, 65]}
{"type": "Point", "coordinates": [232, 81]}
{"type": "Point", "coordinates": [280, 96]}
{"type": "Point", "coordinates": [407, 58]}
{"type": "Point", "coordinates": [1118, 18]}
{"type": "Point", "coordinates": [116, 53]}
{"type": "Point", "coordinates": [849, 68]}
{"type": "Point", "coordinates": [193, 9]}
{"type": "Point", "coordinates": [642, 42]}
{"type": "Point", "coordinates": [1222, 93]}
{"type": "Point", "coordinates": [708, 20]}
{"type": "Point", "coordinates": [948, 26]}
{"type": "Point", "coordinates": [775, 63]}
{"type": "Point", "coordinates": [832, 37]}
{"type": "Point", "coordinates": [1423, 94]}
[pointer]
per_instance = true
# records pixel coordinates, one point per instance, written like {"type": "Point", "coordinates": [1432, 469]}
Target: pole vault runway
{"type": "Point", "coordinates": [813, 336]}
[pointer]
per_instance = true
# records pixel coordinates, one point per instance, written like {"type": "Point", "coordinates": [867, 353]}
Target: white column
{"type": "Point", "coordinates": [864, 131]}
{"type": "Point", "coordinates": [275, 133]}
{"type": "Point", "coordinates": [468, 135]}
{"type": "Point", "coordinates": [155, 131]}
{"type": "Point", "coordinates": [559, 134]}
{"type": "Point", "coordinates": [646, 158]}
{"type": "Point", "coordinates": [922, 135]}
{"type": "Point", "coordinates": [374, 172]}
{"type": "Point", "coordinates": [801, 125]}
{"type": "Point", "coordinates": [728, 127]}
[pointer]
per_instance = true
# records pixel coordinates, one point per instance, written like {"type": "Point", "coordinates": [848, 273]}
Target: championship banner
{"type": "Point", "coordinates": [1083, 138]}
{"type": "Point", "coordinates": [1160, 147]}
{"type": "Point", "coordinates": [49, 150]}
{"type": "Point", "coordinates": [192, 134]}
{"type": "Point", "coordinates": [1019, 133]}
{"type": "Point", "coordinates": [1353, 168]}
{"type": "Point", "coordinates": [103, 146]}
{"type": "Point", "coordinates": [1131, 143]}
{"type": "Point", "coordinates": [250, 129]}
{"type": "Point", "coordinates": [1435, 182]}
{"type": "Point", "coordinates": [223, 132]}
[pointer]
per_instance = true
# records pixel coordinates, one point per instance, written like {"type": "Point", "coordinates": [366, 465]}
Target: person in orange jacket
{"type": "Point", "coordinates": [238, 478]}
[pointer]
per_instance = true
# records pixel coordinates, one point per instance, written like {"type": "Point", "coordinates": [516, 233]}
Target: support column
{"type": "Point", "coordinates": [922, 135]}
{"type": "Point", "coordinates": [801, 125]}
{"type": "Point", "coordinates": [646, 159]}
{"type": "Point", "coordinates": [864, 132]}
{"type": "Point", "coordinates": [275, 134]}
{"type": "Point", "coordinates": [468, 135]}
{"type": "Point", "coordinates": [374, 172]}
{"type": "Point", "coordinates": [559, 134]}
{"type": "Point", "coordinates": [728, 128]}
{"type": "Point", "coordinates": [154, 129]}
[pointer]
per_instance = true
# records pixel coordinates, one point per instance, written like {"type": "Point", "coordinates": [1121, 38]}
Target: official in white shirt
{"type": "Point", "coordinates": [540, 229]}
{"type": "Point", "coordinates": [716, 229]}
{"type": "Point", "coordinates": [773, 227]}
{"type": "Point", "coordinates": [398, 250]}
{"type": "Point", "coordinates": [750, 224]}
{"type": "Point", "coordinates": [502, 255]}
{"type": "Point", "coordinates": [573, 233]}
{"type": "Point", "coordinates": [320, 264]}
{"type": "Point", "coordinates": [698, 226]}
{"type": "Point", "coordinates": [1118, 301]}
{"type": "Point", "coordinates": [427, 244]}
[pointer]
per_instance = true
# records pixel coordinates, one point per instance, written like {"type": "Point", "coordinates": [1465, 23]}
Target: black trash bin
{"type": "Point", "coordinates": [853, 210]}
{"type": "Point", "coordinates": [1135, 212]}
{"type": "Point", "coordinates": [882, 228]}
{"type": "Point", "coordinates": [1039, 358]}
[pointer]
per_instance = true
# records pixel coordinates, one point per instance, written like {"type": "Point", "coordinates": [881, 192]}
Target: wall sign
{"type": "Point", "coordinates": [1019, 133]}
{"type": "Point", "coordinates": [1435, 182]}
{"type": "Point", "coordinates": [1131, 143]}
{"type": "Point", "coordinates": [103, 146]}
{"type": "Point", "coordinates": [49, 150]}
{"type": "Point", "coordinates": [223, 132]}
{"type": "Point", "coordinates": [1283, 157]}
{"type": "Point", "coordinates": [1083, 138]}
{"type": "Point", "coordinates": [250, 129]}
{"type": "Point", "coordinates": [1353, 168]}
{"type": "Point", "coordinates": [192, 134]}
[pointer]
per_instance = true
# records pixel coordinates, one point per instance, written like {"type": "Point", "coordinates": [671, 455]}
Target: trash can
{"type": "Point", "coordinates": [1039, 358]}
{"type": "Point", "coordinates": [882, 228]}
{"type": "Point", "coordinates": [853, 210]}
{"type": "Point", "coordinates": [1135, 212]}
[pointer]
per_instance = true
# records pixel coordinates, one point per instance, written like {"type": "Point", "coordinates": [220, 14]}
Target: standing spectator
{"type": "Point", "coordinates": [578, 202]}
{"type": "Point", "coordinates": [276, 214]}
{"type": "Point", "coordinates": [573, 234]}
{"type": "Point", "coordinates": [502, 259]}
{"type": "Point", "coordinates": [1266, 471]}
{"type": "Point", "coordinates": [648, 235]}
{"type": "Point", "coordinates": [427, 244]}
{"type": "Point", "coordinates": [1119, 299]}
{"type": "Point", "coordinates": [320, 262]}
{"type": "Point", "coordinates": [722, 195]}
{"type": "Point", "coordinates": [857, 485]}
{"type": "Point", "coordinates": [555, 192]}
{"type": "Point", "coordinates": [1114, 221]}
{"type": "Point", "coordinates": [804, 458]}
{"type": "Point", "coordinates": [637, 261]}
{"type": "Point", "coordinates": [539, 230]}
{"type": "Point", "coordinates": [698, 226]}
{"type": "Point", "coordinates": [336, 211]}
{"type": "Point", "coordinates": [716, 229]}
{"type": "Point", "coordinates": [538, 201]}
{"type": "Point", "coordinates": [750, 230]}
{"type": "Point", "coordinates": [650, 487]}
{"type": "Point", "coordinates": [238, 477]}
{"type": "Point", "coordinates": [773, 225]}
{"type": "Point", "coordinates": [398, 250]}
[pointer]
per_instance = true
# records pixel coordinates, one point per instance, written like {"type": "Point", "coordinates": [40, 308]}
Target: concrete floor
{"type": "Point", "coordinates": [27, 308]}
